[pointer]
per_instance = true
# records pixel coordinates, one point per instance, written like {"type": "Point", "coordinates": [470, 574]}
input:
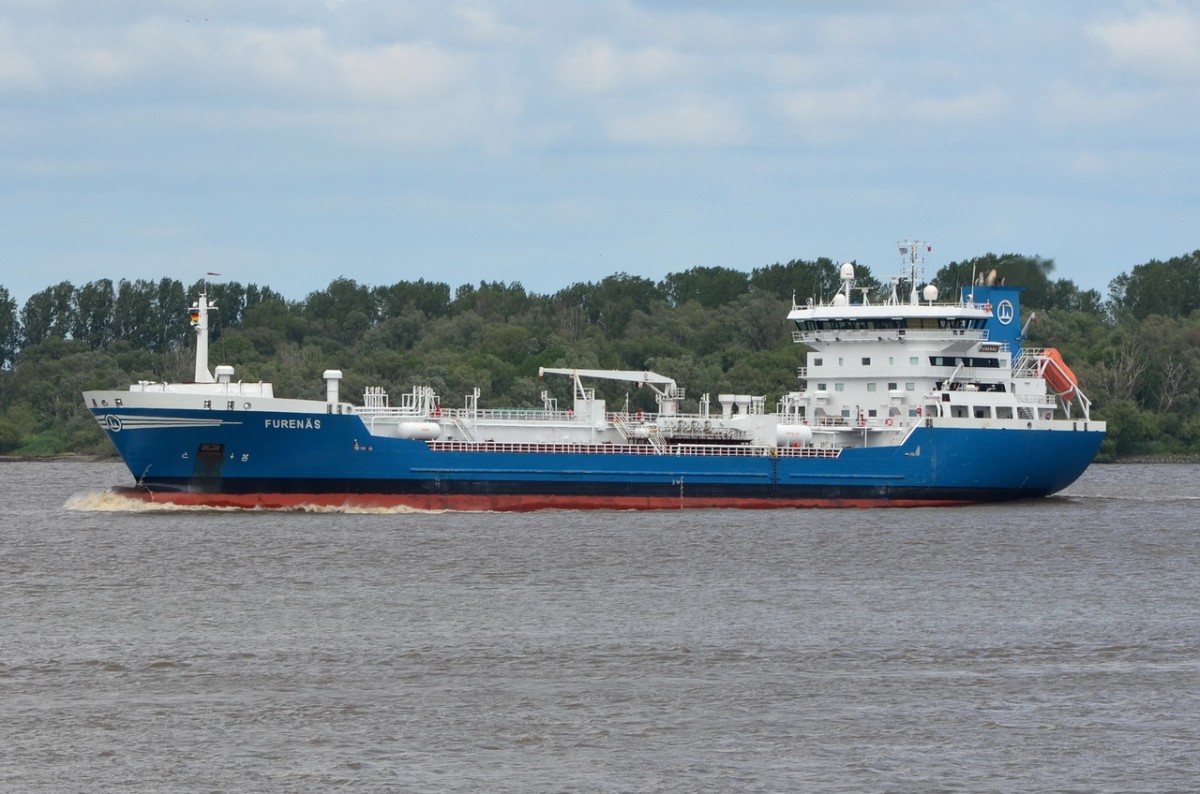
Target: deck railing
{"type": "Point", "coordinates": [681, 450]}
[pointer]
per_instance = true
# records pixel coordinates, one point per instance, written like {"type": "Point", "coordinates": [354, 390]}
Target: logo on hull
{"type": "Point", "coordinates": [113, 423]}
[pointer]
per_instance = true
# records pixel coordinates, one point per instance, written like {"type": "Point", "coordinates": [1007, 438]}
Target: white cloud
{"type": "Point", "coordinates": [690, 121]}
{"type": "Point", "coordinates": [599, 67]}
{"type": "Point", "coordinates": [1067, 105]}
{"type": "Point", "coordinates": [403, 72]}
{"type": "Point", "coordinates": [17, 70]}
{"type": "Point", "coordinates": [482, 25]}
{"type": "Point", "coordinates": [1163, 43]}
{"type": "Point", "coordinates": [828, 114]}
{"type": "Point", "coordinates": [987, 103]}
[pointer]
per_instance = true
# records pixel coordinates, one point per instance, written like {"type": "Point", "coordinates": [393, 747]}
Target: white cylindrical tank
{"type": "Point", "coordinates": [793, 435]}
{"type": "Point", "coordinates": [419, 431]}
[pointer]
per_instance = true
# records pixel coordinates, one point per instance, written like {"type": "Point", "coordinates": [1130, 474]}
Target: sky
{"type": "Point", "coordinates": [291, 142]}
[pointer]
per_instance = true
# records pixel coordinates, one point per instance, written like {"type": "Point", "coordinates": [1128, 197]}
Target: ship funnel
{"type": "Point", "coordinates": [331, 376]}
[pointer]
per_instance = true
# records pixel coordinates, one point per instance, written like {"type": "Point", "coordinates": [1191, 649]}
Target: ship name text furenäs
{"type": "Point", "coordinates": [292, 424]}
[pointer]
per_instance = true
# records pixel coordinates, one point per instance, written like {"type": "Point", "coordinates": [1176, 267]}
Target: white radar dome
{"type": "Point", "coordinates": [930, 293]}
{"type": "Point", "coordinates": [847, 272]}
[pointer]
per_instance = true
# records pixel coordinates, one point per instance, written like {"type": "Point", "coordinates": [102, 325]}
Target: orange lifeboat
{"type": "Point", "coordinates": [1059, 375]}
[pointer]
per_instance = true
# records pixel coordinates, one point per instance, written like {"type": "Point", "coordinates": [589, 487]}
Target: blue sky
{"type": "Point", "coordinates": [289, 142]}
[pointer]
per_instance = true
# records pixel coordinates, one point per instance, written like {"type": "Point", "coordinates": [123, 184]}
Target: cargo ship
{"type": "Point", "coordinates": [903, 400]}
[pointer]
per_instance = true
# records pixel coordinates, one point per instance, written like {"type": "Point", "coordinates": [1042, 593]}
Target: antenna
{"type": "Point", "coordinates": [912, 254]}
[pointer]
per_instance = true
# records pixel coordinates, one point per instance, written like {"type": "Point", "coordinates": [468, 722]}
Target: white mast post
{"type": "Point", "coordinates": [199, 317]}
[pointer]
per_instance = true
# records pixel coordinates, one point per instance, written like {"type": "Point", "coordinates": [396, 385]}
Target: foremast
{"type": "Point", "coordinates": [198, 315]}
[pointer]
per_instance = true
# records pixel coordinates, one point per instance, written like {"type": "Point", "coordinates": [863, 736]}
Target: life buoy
{"type": "Point", "coordinates": [888, 422]}
{"type": "Point", "coordinates": [437, 410]}
{"type": "Point", "coordinates": [639, 416]}
{"type": "Point", "coordinates": [918, 412]}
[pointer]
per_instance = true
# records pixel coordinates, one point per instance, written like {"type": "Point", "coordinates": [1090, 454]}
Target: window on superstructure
{"type": "Point", "coordinates": [893, 386]}
{"type": "Point", "coordinates": [822, 387]}
{"type": "Point", "coordinates": [841, 361]}
{"type": "Point", "coordinates": [1004, 412]}
{"type": "Point", "coordinates": [817, 362]}
{"type": "Point", "coordinates": [871, 386]}
{"type": "Point", "coordinates": [952, 361]}
{"type": "Point", "coordinates": [839, 387]}
{"type": "Point", "coordinates": [910, 386]}
{"type": "Point", "coordinates": [866, 361]}
{"type": "Point", "coordinates": [913, 361]}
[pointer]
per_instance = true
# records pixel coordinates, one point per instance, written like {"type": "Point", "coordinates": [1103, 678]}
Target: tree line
{"type": "Point", "coordinates": [714, 329]}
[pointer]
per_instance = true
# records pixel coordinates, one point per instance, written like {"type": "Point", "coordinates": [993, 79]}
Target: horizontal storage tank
{"type": "Point", "coordinates": [793, 435]}
{"type": "Point", "coordinates": [419, 431]}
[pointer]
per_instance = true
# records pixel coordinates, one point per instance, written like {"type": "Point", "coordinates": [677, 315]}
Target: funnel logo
{"type": "Point", "coordinates": [1005, 312]}
{"type": "Point", "coordinates": [113, 423]}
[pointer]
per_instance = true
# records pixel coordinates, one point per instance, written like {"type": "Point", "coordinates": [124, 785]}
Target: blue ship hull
{"type": "Point", "coordinates": [252, 459]}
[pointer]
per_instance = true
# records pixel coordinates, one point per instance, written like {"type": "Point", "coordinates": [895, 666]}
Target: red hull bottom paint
{"type": "Point", "coordinates": [501, 503]}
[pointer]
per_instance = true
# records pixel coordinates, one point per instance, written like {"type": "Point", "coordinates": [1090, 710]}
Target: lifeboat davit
{"type": "Point", "coordinates": [1059, 375]}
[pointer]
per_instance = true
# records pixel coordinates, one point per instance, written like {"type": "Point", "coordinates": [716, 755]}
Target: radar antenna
{"type": "Point", "coordinates": [912, 255]}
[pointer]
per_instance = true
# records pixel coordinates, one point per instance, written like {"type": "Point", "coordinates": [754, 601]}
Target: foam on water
{"type": "Point", "coordinates": [115, 502]}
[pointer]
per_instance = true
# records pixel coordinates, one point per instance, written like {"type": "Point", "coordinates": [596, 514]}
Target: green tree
{"type": "Point", "coordinates": [610, 303]}
{"type": "Point", "coordinates": [709, 286]}
{"type": "Point", "coordinates": [430, 298]}
{"type": "Point", "coordinates": [94, 308]}
{"type": "Point", "coordinates": [343, 311]}
{"type": "Point", "coordinates": [1170, 288]}
{"type": "Point", "coordinates": [48, 314]}
{"type": "Point", "coordinates": [10, 330]}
